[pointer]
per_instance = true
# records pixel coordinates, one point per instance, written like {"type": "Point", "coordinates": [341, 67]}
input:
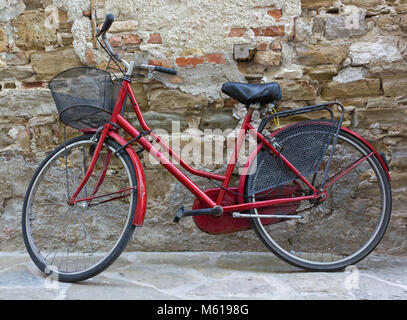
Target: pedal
{"type": "Point", "coordinates": [181, 212]}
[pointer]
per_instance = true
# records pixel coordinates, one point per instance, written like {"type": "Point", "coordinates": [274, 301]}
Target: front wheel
{"type": "Point", "coordinates": [76, 242]}
{"type": "Point", "coordinates": [341, 230]}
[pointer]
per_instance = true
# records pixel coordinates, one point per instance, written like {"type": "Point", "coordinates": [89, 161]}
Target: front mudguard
{"type": "Point", "coordinates": [139, 215]}
{"type": "Point", "coordinates": [252, 157]}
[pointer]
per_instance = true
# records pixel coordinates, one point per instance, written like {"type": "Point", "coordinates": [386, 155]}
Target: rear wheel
{"type": "Point", "coordinates": [78, 241]}
{"type": "Point", "coordinates": [344, 228]}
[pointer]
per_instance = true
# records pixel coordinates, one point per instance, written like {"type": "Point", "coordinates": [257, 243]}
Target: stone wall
{"type": "Point", "coordinates": [353, 51]}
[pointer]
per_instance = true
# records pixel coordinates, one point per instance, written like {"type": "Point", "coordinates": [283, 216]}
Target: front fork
{"type": "Point", "coordinates": [89, 171]}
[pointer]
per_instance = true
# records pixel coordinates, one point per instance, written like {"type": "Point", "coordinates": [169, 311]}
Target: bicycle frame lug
{"type": "Point", "coordinates": [324, 196]}
{"type": "Point", "coordinates": [275, 145]}
{"type": "Point", "coordinates": [95, 136]}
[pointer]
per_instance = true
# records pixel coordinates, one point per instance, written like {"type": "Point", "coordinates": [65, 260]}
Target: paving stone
{"type": "Point", "coordinates": [114, 289]}
{"type": "Point", "coordinates": [208, 275]}
{"type": "Point", "coordinates": [249, 287]}
{"type": "Point", "coordinates": [24, 294]}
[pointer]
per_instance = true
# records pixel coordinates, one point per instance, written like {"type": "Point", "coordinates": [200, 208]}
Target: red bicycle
{"type": "Point", "coordinates": [316, 193]}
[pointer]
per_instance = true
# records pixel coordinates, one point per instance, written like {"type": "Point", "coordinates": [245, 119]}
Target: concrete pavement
{"type": "Point", "coordinates": [208, 275]}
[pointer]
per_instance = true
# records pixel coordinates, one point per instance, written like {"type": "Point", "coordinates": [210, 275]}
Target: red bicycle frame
{"type": "Point", "coordinates": [117, 120]}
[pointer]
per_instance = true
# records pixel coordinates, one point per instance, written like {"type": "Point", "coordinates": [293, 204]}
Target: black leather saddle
{"type": "Point", "coordinates": [248, 93]}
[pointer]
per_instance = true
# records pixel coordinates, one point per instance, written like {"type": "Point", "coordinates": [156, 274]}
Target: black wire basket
{"type": "Point", "coordinates": [84, 97]}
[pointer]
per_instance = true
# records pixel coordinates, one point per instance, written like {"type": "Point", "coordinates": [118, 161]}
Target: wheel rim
{"type": "Point", "coordinates": [274, 234]}
{"type": "Point", "coordinates": [82, 227]}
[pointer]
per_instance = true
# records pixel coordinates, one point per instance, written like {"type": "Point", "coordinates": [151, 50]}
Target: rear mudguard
{"type": "Point", "coordinates": [139, 215]}
{"type": "Point", "coordinates": [252, 157]}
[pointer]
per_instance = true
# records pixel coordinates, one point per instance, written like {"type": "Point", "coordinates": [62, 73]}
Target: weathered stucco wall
{"type": "Point", "coordinates": [353, 51]}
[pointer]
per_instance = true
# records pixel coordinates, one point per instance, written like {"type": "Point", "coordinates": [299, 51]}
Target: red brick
{"type": "Point", "coordinates": [33, 84]}
{"type": "Point", "coordinates": [185, 62]}
{"type": "Point", "coordinates": [237, 32]}
{"type": "Point", "coordinates": [276, 14]}
{"type": "Point", "coordinates": [155, 38]}
{"type": "Point", "coordinates": [131, 39]}
{"type": "Point", "coordinates": [218, 58]}
{"type": "Point", "coordinates": [115, 41]}
{"type": "Point", "coordinates": [276, 31]}
{"type": "Point", "coordinates": [161, 63]}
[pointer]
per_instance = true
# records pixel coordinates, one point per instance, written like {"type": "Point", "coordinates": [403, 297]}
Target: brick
{"type": "Point", "coordinates": [217, 58]}
{"type": "Point", "coordinates": [32, 84]}
{"type": "Point", "coordinates": [155, 38]}
{"type": "Point", "coordinates": [115, 41]}
{"type": "Point", "coordinates": [275, 31]}
{"type": "Point", "coordinates": [237, 32]}
{"type": "Point", "coordinates": [161, 63]}
{"type": "Point", "coordinates": [276, 14]}
{"type": "Point", "coordinates": [131, 39]}
{"type": "Point", "coordinates": [187, 62]}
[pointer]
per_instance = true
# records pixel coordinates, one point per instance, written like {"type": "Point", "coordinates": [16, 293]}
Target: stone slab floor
{"type": "Point", "coordinates": [208, 275]}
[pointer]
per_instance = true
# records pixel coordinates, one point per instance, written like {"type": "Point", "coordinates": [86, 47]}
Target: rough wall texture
{"type": "Point", "coordinates": [353, 51]}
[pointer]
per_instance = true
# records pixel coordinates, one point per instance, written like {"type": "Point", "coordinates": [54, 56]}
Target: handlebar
{"type": "Point", "coordinates": [102, 32]}
{"type": "Point", "coordinates": [107, 24]}
{"type": "Point", "coordinates": [165, 70]}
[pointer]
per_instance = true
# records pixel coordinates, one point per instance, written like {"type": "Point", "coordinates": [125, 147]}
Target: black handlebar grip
{"type": "Point", "coordinates": [165, 70]}
{"type": "Point", "coordinates": [108, 22]}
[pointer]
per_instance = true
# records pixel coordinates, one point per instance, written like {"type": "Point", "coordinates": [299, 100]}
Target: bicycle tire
{"type": "Point", "coordinates": [354, 258]}
{"type": "Point", "coordinates": [120, 245]}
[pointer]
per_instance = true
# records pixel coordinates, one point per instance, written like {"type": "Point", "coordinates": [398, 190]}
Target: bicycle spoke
{"type": "Point", "coordinates": [78, 237]}
{"type": "Point", "coordinates": [339, 228]}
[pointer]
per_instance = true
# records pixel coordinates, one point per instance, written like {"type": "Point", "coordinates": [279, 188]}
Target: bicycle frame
{"type": "Point", "coordinates": [118, 121]}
